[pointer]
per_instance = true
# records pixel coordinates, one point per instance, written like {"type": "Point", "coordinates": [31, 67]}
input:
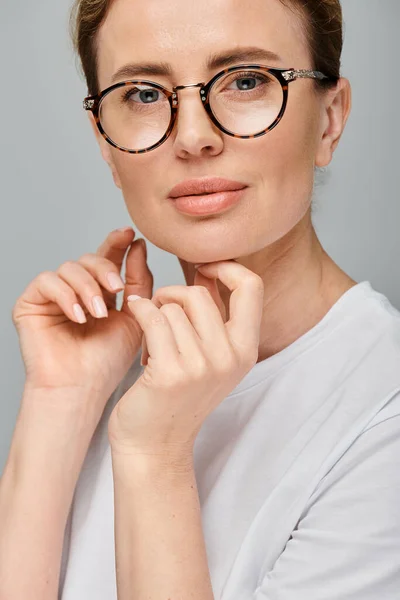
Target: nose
{"type": "Point", "coordinates": [194, 133]}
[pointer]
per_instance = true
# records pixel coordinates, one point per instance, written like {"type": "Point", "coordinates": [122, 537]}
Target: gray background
{"type": "Point", "coordinates": [59, 200]}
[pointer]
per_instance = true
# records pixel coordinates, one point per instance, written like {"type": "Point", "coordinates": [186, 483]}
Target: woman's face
{"type": "Point", "coordinates": [278, 168]}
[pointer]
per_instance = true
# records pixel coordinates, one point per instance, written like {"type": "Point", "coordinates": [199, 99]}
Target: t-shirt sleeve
{"type": "Point", "coordinates": [346, 545]}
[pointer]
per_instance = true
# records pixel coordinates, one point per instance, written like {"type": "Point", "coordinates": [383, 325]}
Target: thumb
{"type": "Point", "coordinates": [139, 279]}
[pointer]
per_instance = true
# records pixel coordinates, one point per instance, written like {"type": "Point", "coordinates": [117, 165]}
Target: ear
{"type": "Point", "coordinates": [336, 112]}
{"type": "Point", "coordinates": [105, 150]}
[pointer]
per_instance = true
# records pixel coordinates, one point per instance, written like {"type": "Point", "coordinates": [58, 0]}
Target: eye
{"type": "Point", "coordinates": [247, 80]}
{"type": "Point", "coordinates": [147, 95]}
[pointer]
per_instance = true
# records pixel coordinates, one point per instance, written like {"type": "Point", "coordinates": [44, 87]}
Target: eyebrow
{"type": "Point", "coordinates": [215, 61]}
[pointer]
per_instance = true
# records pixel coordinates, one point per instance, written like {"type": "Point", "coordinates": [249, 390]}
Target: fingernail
{"type": "Point", "coordinates": [133, 297]}
{"type": "Point", "coordinates": [99, 306]}
{"type": "Point", "coordinates": [199, 265]}
{"type": "Point", "coordinates": [124, 229]}
{"type": "Point", "coordinates": [115, 281]}
{"type": "Point", "coordinates": [144, 246]}
{"type": "Point", "coordinates": [80, 315]}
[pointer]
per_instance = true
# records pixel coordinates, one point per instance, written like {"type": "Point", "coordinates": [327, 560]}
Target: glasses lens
{"type": "Point", "coordinates": [246, 102]}
{"type": "Point", "coordinates": [135, 116]}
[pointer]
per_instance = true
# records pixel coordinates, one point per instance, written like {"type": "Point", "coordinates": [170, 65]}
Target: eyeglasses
{"type": "Point", "coordinates": [138, 116]}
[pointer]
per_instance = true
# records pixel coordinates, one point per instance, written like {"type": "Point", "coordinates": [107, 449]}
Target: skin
{"type": "Point", "coordinates": [270, 231]}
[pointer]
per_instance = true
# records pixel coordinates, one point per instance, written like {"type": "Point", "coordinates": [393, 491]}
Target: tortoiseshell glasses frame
{"type": "Point", "coordinates": [284, 76]}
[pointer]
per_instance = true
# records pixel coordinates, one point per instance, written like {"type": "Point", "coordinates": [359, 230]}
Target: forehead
{"type": "Point", "coordinates": [184, 33]}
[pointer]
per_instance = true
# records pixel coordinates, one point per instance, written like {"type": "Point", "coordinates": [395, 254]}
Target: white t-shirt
{"type": "Point", "coordinates": [298, 472]}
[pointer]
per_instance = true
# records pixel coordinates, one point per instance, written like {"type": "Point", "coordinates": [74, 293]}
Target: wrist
{"type": "Point", "coordinates": [68, 409]}
{"type": "Point", "coordinates": [158, 462]}
{"type": "Point", "coordinates": [51, 437]}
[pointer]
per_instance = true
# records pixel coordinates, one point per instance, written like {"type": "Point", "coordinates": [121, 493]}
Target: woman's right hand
{"type": "Point", "coordinates": [91, 358]}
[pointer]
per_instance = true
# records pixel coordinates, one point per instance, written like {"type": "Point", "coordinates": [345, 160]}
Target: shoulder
{"type": "Point", "coordinates": [373, 337]}
{"type": "Point", "coordinates": [370, 465]}
{"type": "Point", "coordinates": [387, 316]}
{"type": "Point", "coordinates": [347, 539]}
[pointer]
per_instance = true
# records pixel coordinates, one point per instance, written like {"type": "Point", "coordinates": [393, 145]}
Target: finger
{"type": "Point", "coordinates": [115, 246]}
{"type": "Point", "coordinates": [211, 285]}
{"type": "Point", "coordinates": [245, 304]}
{"type": "Point", "coordinates": [106, 273]}
{"type": "Point", "coordinates": [45, 289]}
{"type": "Point", "coordinates": [155, 325]}
{"type": "Point", "coordinates": [199, 306]}
{"type": "Point", "coordinates": [138, 277]}
{"type": "Point", "coordinates": [114, 249]}
{"type": "Point", "coordinates": [186, 338]}
{"type": "Point", "coordinates": [84, 284]}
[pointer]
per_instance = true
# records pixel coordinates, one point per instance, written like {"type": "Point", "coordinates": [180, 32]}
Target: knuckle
{"type": "Point", "coordinates": [200, 289]}
{"type": "Point", "coordinates": [201, 371]}
{"type": "Point", "coordinates": [172, 379]}
{"type": "Point", "coordinates": [65, 266]}
{"type": "Point", "coordinates": [198, 368]}
{"type": "Point", "coordinates": [162, 292]}
{"type": "Point", "coordinates": [171, 307]}
{"type": "Point", "coordinates": [45, 278]}
{"type": "Point", "coordinates": [155, 297]}
{"type": "Point", "coordinates": [44, 275]}
{"type": "Point", "coordinates": [159, 320]}
{"type": "Point", "coordinates": [66, 295]}
{"type": "Point", "coordinates": [257, 282]}
{"type": "Point", "coordinates": [88, 256]}
{"type": "Point", "coordinates": [88, 290]}
{"type": "Point", "coordinates": [227, 364]}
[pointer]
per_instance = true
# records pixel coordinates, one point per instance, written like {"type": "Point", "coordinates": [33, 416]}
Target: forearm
{"type": "Point", "coordinates": [36, 490]}
{"type": "Point", "coordinates": [160, 549]}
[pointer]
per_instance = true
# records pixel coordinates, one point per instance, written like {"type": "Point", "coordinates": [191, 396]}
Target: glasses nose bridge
{"type": "Point", "coordinates": [181, 87]}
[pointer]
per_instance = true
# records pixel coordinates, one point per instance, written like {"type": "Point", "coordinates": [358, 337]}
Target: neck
{"type": "Point", "coordinates": [301, 284]}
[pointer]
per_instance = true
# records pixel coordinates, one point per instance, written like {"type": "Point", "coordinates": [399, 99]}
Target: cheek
{"type": "Point", "coordinates": [143, 188]}
{"type": "Point", "coordinates": [137, 176]}
{"type": "Point", "coordinates": [294, 142]}
{"type": "Point", "coordinates": [286, 170]}
{"type": "Point", "coordinates": [135, 172]}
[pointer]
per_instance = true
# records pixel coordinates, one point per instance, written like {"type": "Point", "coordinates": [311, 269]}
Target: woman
{"type": "Point", "coordinates": [255, 452]}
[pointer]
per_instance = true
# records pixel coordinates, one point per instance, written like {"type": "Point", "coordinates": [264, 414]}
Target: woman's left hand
{"type": "Point", "coordinates": [195, 360]}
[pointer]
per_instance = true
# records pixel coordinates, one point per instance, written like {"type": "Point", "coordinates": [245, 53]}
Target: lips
{"type": "Point", "coordinates": [205, 185]}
